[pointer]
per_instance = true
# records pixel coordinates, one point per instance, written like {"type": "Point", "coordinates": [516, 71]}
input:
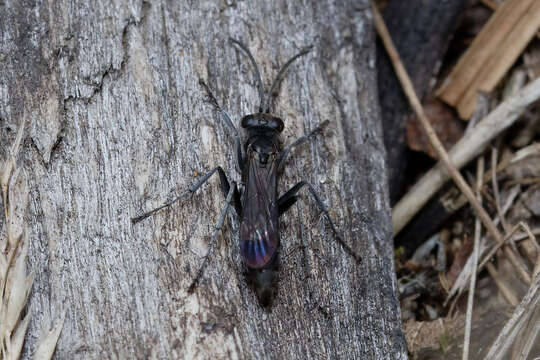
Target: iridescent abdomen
{"type": "Point", "coordinates": [258, 242]}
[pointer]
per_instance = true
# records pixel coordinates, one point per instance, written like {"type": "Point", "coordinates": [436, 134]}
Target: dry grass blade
{"type": "Point", "coordinates": [8, 166]}
{"type": "Point", "coordinates": [522, 314]}
{"type": "Point", "coordinates": [463, 279]}
{"type": "Point", "coordinates": [522, 154]}
{"type": "Point", "coordinates": [506, 292]}
{"type": "Point", "coordinates": [14, 346]}
{"type": "Point", "coordinates": [475, 255]}
{"type": "Point", "coordinates": [531, 150]}
{"type": "Point", "coordinates": [526, 343]}
{"type": "Point", "coordinates": [508, 237]}
{"type": "Point", "coordinates": [48, 340]}
{"type": "Point", "coordinates": [15, 284]}
{"type": "Point", "coordinates": [530, 234]}
{"type": "Point", "coordinates": [495, 186]}
{"type": "Point", "coordinates": [518, 262]}
{"type": "Point", "coordinates": [536, 271]}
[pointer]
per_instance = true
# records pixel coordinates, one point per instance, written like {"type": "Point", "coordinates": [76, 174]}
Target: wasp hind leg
{"type": "Point", "coordinates": [289, 198]}
{"type": "Point", "coordinates": [219, 225]}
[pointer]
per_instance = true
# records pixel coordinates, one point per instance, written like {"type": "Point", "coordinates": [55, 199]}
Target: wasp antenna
{"type": "Point", "coordinates": [257, 73]}
{"type": "Point", "coordinates": [282, 72]}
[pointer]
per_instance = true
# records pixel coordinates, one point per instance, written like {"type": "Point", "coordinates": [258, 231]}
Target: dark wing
{"type": "Point", "coordinates": [259, 237]}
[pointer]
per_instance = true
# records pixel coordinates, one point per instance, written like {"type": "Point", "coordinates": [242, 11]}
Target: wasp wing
{"type": "Point", "coordinates": [259, 236]}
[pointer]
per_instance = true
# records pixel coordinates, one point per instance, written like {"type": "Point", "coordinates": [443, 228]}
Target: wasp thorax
{"type": "Point", "coordinates": [263, 148]}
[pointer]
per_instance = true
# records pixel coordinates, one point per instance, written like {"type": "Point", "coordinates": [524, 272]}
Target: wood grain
{"type": "Point", "coordinates": [119, 123]}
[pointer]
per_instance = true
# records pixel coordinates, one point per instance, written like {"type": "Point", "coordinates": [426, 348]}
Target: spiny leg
{"type": "Point", "coordinates": [225, 188]}
{"type": "Point", "coordinates": [227, 119]}
{"type": "Point", "coordinates": [281, 73]}
{"type": "Point", "coordinates": [290, 197]}
{"type": "Point", "coordinates": [303, 246]}
{"type": "Point", "coordinates": [283, 155]}
{"type": "Point", "coordinates": [195, 281]}
{"type": "Point", "coordinates": [256, 69]}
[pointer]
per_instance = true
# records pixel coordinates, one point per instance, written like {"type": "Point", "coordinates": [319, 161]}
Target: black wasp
{"type": "Point", "coordinates": [259, 207]}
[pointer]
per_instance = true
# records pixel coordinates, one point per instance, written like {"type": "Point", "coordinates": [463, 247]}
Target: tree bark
{"type": "Point", "coordinates": [117, 123]}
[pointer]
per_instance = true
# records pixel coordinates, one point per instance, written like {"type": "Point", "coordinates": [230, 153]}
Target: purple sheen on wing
{"type": "Point", "coordinates": [256, 252]}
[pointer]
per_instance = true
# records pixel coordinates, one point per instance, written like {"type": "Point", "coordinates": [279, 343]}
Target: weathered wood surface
{"type": "Point", "coordinates": [117, 123]}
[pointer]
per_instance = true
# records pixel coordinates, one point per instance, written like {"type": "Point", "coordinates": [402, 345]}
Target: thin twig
{"type": "Point", "coordinates": [435, 142]}
{"type": "Point", "coordinates": [536, 271]}
{"type": "Point", "coordinates": [533, 233]}
{"type": "Point", "coordinates": [531, 150]}
{"type": "Point", "coordinates": [522, 269]}
{"type": "Point", "coordinates": [524, 181]}
{"type": "Point", "coordinates": [495, 186]}
{"type": "Point", "coordinates": [463, 278]}
{"type": "Point", "coordinates": [15, 284]}
{"type": "Point", "coordinates": [477, 233]}
{"type": "Point", "coordinates": [529, 304]}
{"type": "Point", "coordinates": [508, 295]}
{"type": "Point", "coordinates": [508, 237]}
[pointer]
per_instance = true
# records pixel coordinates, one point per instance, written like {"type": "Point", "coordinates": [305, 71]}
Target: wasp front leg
{"type": "Point", "coordinates": [284, 154]}
{"type": "Point", "coordinates": [225, 189]}
{"type": "Point", "coordinates": [226, 118]}
{"type": "Point", "coordinates": [232, 195]}
{"type": "Point", "coordinates": [219, 225]}
{"type": "Point", "coordinates": [290, 197]}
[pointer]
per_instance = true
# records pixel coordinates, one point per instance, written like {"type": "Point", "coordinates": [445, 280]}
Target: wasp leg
{"type": "Point", "coordinates": [225, 188]}
{"type": "Point", "coordinates": [228, 200]}
{"type": "Point", "coordinates": [284, 154]}
{"type": "Point", "coordinates": [227, 120]}
{"type": "Point", "coordinates": [290, 197]}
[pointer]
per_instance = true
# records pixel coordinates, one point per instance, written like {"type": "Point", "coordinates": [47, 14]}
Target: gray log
{"type": "Point", "coordinates": [118, 123]}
